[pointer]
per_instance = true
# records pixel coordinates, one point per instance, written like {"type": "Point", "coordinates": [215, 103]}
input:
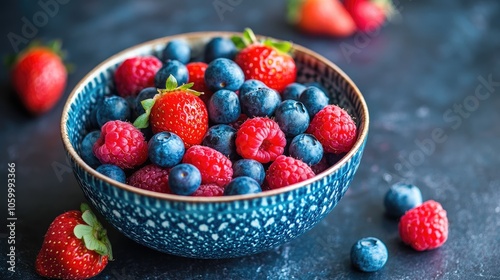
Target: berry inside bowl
{"type": "Point", "coordinates": [223, 226]}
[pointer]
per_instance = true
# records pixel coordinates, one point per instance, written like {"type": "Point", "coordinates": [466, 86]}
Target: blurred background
{"type": "Point", "coordinates": [419, 71]}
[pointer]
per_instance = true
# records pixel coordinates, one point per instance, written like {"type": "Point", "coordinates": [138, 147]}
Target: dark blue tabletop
{"type": "Point", "coordinates": [431, 79]}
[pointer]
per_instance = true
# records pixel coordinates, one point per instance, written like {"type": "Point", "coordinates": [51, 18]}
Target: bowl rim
{"type": "Point", "coordinates": [112, 60]}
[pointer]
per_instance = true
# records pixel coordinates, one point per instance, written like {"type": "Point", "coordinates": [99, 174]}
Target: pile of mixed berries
{"type": "Point", "coordinates": [236, 122]}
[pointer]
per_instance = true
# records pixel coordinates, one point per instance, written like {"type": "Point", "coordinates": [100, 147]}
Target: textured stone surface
{"type": "Point", "coordinates": [433, 124]}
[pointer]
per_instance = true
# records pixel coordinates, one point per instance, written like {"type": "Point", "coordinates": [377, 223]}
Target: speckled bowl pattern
{"type": "Point", "coordinates": [208, 227]}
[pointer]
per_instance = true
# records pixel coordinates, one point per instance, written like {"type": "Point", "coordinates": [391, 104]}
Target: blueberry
{"type": "Point", "coordinates": [165, 149]}
{"type": "Point", "coordinates": [221, 137]}
{"type": "Point", "coordinates": [369, 254]}
{"type": "Point", "coordinates": [260, 103]}
{"type": "Point", "coordinates": [400, 198]}
{"type": "Point", "coordinates": [184, 179]}
{"type": "Point", "coordinates": [292, 117]}
{"type": "Point", "coordinates": [144, 94]}
{"type": "Point", "coordinates": [293, 91]}
{"type": "Point", "coordinates": [112, 108]}
{"type": "Point", "coordinates": [86, 148]}
{"type": "Point", "coordinates": [314, 99]}
{"type": "Point", "coordinates": [223, 73]}
{"type": "Point", "coordinates": [250, 168]}
{"type": "Point", "coordinates": [112, 171]}
{"type": "Point", "coordinates": [93, 117]}
{"type": "Point", "coordinates": [318, 85]}
{"type": "Point", "coordinates": [251, 85]}
{"type": "Point", "coordinates": [219, 47]}
{"type": "Point", "coordinates": [174, 68]}
{"type": "Point", "coordinates": [306, 148]}
{"type": "Point", "coordinates": [178, 50]}
{"type": "Point", "coordinates": [224, 106]}
{"type": "Point", "coordinates": [242, 185]}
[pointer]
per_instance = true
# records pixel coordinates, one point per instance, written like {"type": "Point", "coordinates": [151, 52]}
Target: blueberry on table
{"type": "Point", "coordinates": [369, 254]}
{"type": "Point", "coordinates": [250, 168]}
{"type": "Point", "coordinates": [166, 149]}
{"type": "Point", "coordinates": [224, 107]}
{"type": "Point", "coordinates": [87, 153]}
{"type": "Point", "coordinates": [223, 73]}
{"type": "Point", "coordinates": [314, 99]}
{"type": "Point", "coordinates": [174, 68]}
{"type": "Point", "coordinates": [260, 103]}
{"type": "Point", "coordinates": [184, 179]}
{"type": "Point", "coordinates": [219, 47]}
{"type": "Point", "coordinates": [221, 137]}
{"type": "Point", "coordinates": [400, 198]}
{"type": "Point", "coordinates": [112, 108]}
{"type": "Point", "coordinates": [306, 148]}
{"type": "Point", "coordinates": [242, 185]}
{"type": "Point", "coordinates": [177, 50]}
{"type": "Point", "coordinates": [293, 91]}
{"type": "Point", "coordinates": [112, 171]}
{"type": "Point", "coordinates": [292, 117]}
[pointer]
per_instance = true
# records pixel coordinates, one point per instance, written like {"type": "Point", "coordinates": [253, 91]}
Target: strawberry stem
{"type": "Point", "coordinates": [92, 233]}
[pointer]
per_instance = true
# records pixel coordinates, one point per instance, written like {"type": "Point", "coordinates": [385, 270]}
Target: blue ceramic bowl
{"type": "Point", "coordinates": [208, 227]}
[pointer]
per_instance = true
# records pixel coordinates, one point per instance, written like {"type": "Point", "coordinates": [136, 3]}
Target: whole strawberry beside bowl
{"type": "Point", "coordinates": [225, 216]}
{"type": "Point", "coordinates": [39, 77]}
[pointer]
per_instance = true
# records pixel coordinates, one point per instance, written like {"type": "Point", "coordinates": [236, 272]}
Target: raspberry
{"type": "Point", "coordinates": [135, 74]}
{"type": "Point", "coordinates": [334, 128]}
{"type": "Point", "coordinates": [209, 190]}
{"type": "Point", "coordinates": [285, 171]}
{"type": "Point", "coordinates": [215, 168]}
{"type": "Point", "coordinates": [424, 227]}
{"type": "Point", "coordinates": [151, 177]}
{"type": "Point", "coordinates": [260, 139]}
{"type": "Point", "coordinates": [121, 144]}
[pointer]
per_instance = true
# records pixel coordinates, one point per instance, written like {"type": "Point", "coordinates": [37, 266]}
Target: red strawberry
{"type": "Point", "coordinates": [267, 61]}
{"type": "Point", "coordinates": [424, 227]}
{"type": "Point", "coordinates": [135, 74]}
{"type": "Point", "coordinates": [39, 77]}
{"type": "Point", "coordinates": [178, 110]}
{"type": "Point", "coordinates": [215, 168]}
{"type": "Point", "coordinates": [75, 247]}
{"type": "Point", "coordinates": [321, 17]}
{"type": "Point", "coordinates": [197, 77]}
{"type": "Point", "coordinates": [368, 15]}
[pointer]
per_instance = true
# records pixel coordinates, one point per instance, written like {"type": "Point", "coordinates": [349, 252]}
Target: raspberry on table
{"type": "Point", "coordinates": [209, 190]}
{"type": "Point", "coordinates": [334, 128]}
{"type": "Point", "coordinates": [215, 168]}
{"type": "Point", "coordinates": [136, 73]}
{"type": "Point", "coordinates": [286, 171]}
{"type": "Point", "coordinates": [260, 139]}
{"type": "Point", "coordinates": [150, 177]}
{"type": "Point", "coordinates": [121, 144]}
{"type": "Point", "coordinates": [424, 227]}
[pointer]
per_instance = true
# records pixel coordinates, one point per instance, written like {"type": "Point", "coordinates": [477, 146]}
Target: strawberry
{"type": "Point", "coordinates": [197, 77]}
{"type": "Point", "coordinates": [39, 77]}
{"type": "Point", "coordinates": [267, 61]}
{"type": "Point", "coordinates": [321, 17]}
{"type": "Point", "coordinates": [75, 247]}
{"type": "Point", "coordinates": [177, 109]}
{"type": "Point", "coordinates": [369, 15]}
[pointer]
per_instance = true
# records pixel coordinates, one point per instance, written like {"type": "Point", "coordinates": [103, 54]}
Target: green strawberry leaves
{"type": "Point", "coordinates": [92, 233]}
{"type": "Point", "coordinates": [170, 85]}
{"type": "Point", "coordinates": [248, 38]}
